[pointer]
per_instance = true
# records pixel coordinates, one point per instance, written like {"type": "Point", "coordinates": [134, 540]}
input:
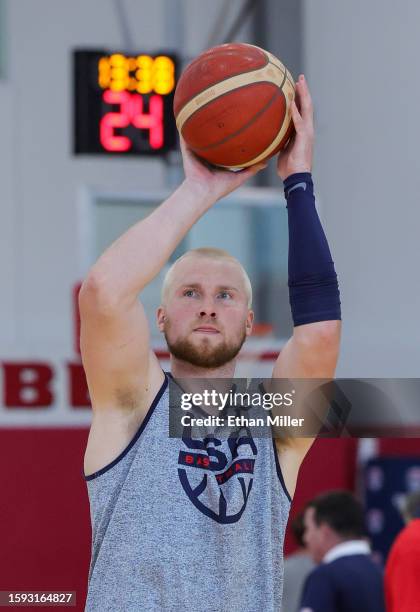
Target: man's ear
{"type": "Point", "coordinates": [160, 318]}
{"type": "Point", "coordinates": [249, 322]}
{"type": "Point", "coordinates": [326, 531]}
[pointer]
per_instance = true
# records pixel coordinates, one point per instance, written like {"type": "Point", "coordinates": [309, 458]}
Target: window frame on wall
{"type": "Point", "coordinates": [3, 39]}
{"type": "Point", "coordinates": [254, 199]}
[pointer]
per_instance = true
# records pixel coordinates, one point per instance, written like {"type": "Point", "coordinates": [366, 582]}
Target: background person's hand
{"type": "Point", "coordinates": [298, 155]}
{"type": "Point", "coordinates": [212, 182]}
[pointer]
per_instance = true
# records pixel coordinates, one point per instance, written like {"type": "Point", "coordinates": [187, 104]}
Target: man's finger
{"type": "Point", "coordinates": [185, 149]}
{"type": "Point", "coordinates": [288, 147]}
{"type": "Point", "coordinates": [296, 116]}
{"type": "Point", "coordinates": [305, 99]}
{"type": "Point", "coordinates": [183, 144]}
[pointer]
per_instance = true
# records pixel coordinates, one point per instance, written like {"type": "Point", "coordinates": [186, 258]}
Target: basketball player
{"type": "Point", "coordinates": [196, 524]}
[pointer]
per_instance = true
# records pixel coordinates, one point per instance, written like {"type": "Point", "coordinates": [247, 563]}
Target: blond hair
{"type": "Point", "coordinates": [208, 253]}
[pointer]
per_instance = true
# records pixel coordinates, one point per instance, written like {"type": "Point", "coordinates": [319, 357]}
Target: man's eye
{"type": "Point", "coordinates": [189, 292]}
{"type": "Point", "coordinates": [225, 294]}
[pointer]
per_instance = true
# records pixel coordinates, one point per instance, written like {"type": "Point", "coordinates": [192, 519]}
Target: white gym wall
{"type": "Point", "coordinates": [360, 60]}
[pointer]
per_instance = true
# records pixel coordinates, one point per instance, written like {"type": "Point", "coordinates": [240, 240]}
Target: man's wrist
{"type": "Point", "coordinates": [200, 192]}
{"type": "Point", "coordinates": [298, 179]}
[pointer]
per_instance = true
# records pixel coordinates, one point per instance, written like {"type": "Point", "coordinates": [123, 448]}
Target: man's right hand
{"type": "Point", "coordinates": [209, 181]}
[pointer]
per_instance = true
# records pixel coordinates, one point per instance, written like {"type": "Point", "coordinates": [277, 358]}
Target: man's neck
{"type": "Point", "coordinates": [185, 373]}
{"type": "Point", "coordinates": [182, 369]}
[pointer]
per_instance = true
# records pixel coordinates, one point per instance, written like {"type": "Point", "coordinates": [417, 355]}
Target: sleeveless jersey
{"type": "Point", "coordinates": [187, 524]}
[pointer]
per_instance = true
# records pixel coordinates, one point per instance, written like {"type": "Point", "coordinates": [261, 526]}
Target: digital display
{"type": "Point", "coordinates": [123, 103]}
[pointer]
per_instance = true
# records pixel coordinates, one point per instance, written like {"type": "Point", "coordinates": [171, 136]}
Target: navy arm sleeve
{"type": "Point", "coordinates": [313, 286]}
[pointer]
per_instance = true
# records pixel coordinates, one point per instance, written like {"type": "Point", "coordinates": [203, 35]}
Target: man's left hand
{"type": "Point", "coordinates": [298, 154]}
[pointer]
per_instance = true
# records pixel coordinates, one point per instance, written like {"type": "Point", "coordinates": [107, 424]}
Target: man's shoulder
{"type": "Point", "coordinates": [344, 566]}
{"type": "Point", "coordinates": [343, 562]}
{"type": "Point", "coordinates": [319, 585]}
{"type": "Point", "coordinates": [320, 572]}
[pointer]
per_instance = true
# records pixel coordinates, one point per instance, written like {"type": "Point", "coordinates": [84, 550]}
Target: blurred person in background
{"type": "Point", "coordinates": [297, 566]}
{"type": "Point", "coordinates": [402, 571]}
{"type": "Point", "coordinates": [346, 579]}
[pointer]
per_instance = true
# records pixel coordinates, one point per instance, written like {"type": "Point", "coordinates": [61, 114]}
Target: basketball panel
{"type": "Point", "coordinates": [282, 137]}
{"type": "Point", "coordinates": [215, 65]}
{"type": "Point", "coordinates": [289, 133]}
{"type": "Point", "coordinates": [254, 139]}
{"type": "Point", "coordinates": [227, 115]}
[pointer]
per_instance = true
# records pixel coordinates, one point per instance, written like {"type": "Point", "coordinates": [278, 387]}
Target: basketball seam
{"type": "Point", "coordinates": [266, 151]}
{"type": "Point", "coordinates": [284, 76]}
{"type": "Point", "coordinates": [289, 78]}
{"type": "Point", "coordinates": [199, 93]}
{"type": "Point", "coordinates": [222, 52]}
{"type": "Point", "coordinates": [244, 127]}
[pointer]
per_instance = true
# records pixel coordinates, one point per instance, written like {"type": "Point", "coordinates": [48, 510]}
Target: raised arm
{"type": "Point", "coordinates": [122, 371]}
{"type": "Point", "coordinates": [312, 351]}
{"type": "Point", "coordinates": [114, 329]}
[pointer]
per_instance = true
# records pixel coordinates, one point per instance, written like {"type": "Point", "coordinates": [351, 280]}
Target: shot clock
{"type": "Point", "coordinates": [123, 103]}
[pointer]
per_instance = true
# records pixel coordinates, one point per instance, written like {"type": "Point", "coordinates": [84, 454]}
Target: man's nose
{"type": "Point", "coordinates": [207, 309]}
{"type": "Point", "coordinates": [208, 312]}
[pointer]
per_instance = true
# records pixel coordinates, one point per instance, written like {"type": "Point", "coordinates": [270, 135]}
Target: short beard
{"type": "Point", "coordinates": [203, 357]}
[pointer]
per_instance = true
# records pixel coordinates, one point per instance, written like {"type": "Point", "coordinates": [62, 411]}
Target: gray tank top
{"type": "Point", "coordinates": [187, 524]}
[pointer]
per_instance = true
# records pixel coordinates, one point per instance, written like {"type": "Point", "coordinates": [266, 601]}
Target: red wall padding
{"type": "Point", "coordinates": [329, 464]}
{"type": "Point", "coordinates": [44, 512]}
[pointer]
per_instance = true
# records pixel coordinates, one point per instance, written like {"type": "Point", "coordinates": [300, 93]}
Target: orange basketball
{"type": "Point", "coordinates": [232, 105]}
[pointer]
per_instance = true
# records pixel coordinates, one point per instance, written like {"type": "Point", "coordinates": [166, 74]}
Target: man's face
{"type": "Point", "coordinates": [206, 317]}
{"type": "Point", "coordinates": [314, 536]}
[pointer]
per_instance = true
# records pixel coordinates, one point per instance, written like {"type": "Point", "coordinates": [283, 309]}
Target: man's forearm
{"type": "Point", "coordinates": [135, 258]}
{"type": "Point", "coordinates": [313, 286]}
